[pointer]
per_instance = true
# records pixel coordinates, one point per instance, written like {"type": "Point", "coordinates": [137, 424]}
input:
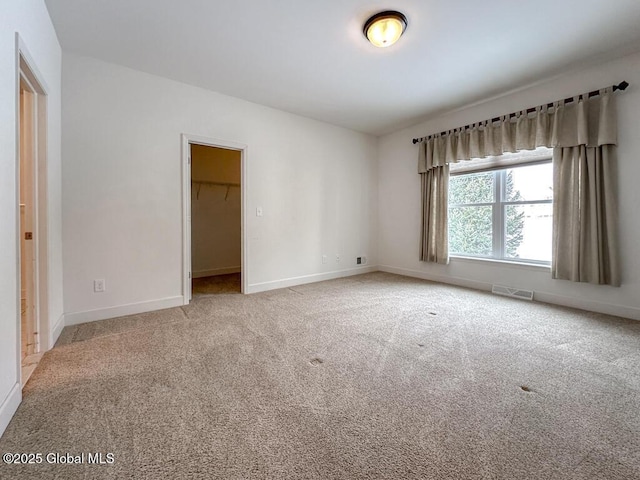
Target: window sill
{"type": "Point", "coordinates": [506, 263]}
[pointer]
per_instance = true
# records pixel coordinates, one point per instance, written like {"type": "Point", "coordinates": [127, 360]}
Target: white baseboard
{"type": "Point", "coordinates": [56, 331]}
{"type": "Point", "coordinates": [538, 296]}
{"type": "Point", "coordinates": [122, 310]}
{"type": "Point", "coordinates": [9, 407]}
{"type": "Point", "coordinates": [216, 271]}
{"type": "Point", "coordinates": [316, 277]}
{"type": "Point", "coordinates": [590, 305]}
{"type": "Point", "coordinates": [458, 281]}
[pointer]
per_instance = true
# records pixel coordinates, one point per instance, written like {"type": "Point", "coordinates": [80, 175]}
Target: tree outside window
{"type": "Point", "coordinates": [502, 214]}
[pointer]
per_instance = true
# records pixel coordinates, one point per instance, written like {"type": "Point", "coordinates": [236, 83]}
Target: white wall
{"type": "Point", "coordinates": [399, 193]}
{"type": "Point", "coordinates": [31, 20]}
{"type": "Point", "coordinates": [215, 211]}
{"type": "Point", "coordinates": [316, 184]}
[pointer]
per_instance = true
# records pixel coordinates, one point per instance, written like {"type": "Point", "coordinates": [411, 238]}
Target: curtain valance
{"type": "Point", "coordinates": [585, 121]}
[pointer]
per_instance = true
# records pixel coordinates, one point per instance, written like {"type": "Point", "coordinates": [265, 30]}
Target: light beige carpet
{"type": "Point", "coordinates": [376, 376]}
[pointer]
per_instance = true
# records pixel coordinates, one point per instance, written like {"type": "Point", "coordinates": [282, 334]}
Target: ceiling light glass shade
{"type": "Point", "coordinates": [385, 28]}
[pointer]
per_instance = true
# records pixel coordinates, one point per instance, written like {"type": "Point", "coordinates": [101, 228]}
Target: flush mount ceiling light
{"type": "Point", "coordinates": [385, 28]}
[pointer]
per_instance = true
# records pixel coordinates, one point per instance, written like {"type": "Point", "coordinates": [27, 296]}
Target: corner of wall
{"type": "Point", "coordinates": [56, 331]}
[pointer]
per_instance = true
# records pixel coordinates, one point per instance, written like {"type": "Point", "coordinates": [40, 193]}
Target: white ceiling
{"type": "Point", "coordinates": [310, 57]}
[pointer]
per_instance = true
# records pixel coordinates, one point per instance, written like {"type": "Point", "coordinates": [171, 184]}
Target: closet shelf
{"type": "Point", "coordinates": [222, 184]}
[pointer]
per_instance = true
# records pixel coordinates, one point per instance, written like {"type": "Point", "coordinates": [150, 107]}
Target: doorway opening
{"type": "Point", "coordinates": [214, 232]}
{"type": "Point", "coordinates": [215, 220]}
{"type": "Point", "coordinates": [32, 218]}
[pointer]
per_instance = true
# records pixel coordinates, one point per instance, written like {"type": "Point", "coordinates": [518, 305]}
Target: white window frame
{"type": "Point", "coordinates": [498, 207]}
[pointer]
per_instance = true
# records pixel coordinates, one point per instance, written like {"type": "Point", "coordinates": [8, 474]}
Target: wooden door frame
{"type": "Point", "coordinates": [187, 141]}
{"type": "Point", "coordinates": [26, 69]}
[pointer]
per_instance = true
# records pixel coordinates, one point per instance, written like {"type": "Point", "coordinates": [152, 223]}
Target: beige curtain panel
{"type": "Point", "coordinates": [434, 244]}
{"type": "Point", "coordinates": [590, 122]}
{"type": "Point", "coordinates": [583, 134]}
{"type": "Point", "coordinates": [585, 215]}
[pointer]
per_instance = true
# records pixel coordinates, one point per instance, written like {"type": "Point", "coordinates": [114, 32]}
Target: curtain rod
{"type": "Point", "coordinates": [621, 86]}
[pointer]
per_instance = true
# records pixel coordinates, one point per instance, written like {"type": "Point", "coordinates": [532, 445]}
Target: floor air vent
{"type": "Point", "coordinates": [512, 292]}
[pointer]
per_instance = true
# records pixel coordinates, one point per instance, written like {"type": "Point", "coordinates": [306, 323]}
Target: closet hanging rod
{"type": "Point", "coordinates": [621, 86]}
{"type": "Point", "coordinates": [222, 184]}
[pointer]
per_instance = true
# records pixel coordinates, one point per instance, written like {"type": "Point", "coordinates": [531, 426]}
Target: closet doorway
{"type": "Point", "coordinates": [215, 219]}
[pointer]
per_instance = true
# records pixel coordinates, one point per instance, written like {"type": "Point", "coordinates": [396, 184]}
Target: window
{"type": "Point", "coordinates": [503, 214]}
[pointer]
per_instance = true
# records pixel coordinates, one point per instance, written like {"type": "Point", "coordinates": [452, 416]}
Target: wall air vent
{"type": "Point", "coordinates": [512, 292]}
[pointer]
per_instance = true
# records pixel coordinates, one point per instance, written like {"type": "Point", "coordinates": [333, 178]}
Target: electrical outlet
{"type": "Point", "coordinates": [359, 261]}
{"type": "Point", "coordinates": [98, 285]}
{"type": "Point", "coordinates": [324, 259]}
{"type": "Point", "coordinates": [258, 211]}
{"type": "Point", "coordinates": [337, 258]}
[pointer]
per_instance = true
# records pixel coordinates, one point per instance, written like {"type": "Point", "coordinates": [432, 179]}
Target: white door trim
{"type": "Point", "coordinates": [187, 141]}
{"type": "Point", "coordinates": [26, 68]}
